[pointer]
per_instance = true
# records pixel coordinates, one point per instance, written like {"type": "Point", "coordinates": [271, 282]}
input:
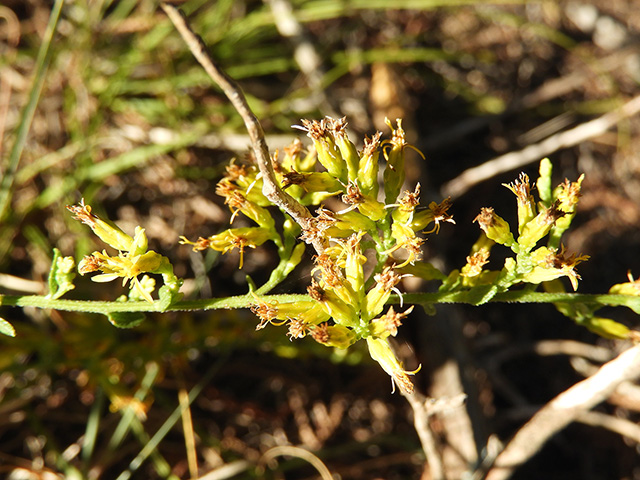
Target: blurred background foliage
{"type": "Point", "coordinates": [128, 120]}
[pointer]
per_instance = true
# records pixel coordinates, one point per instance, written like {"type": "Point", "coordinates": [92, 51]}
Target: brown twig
{"type": "Point", "coordinates": [421, 416]}
{"type": "Point", "coordinates": [564, 409]}
{"type": "Point", "coordinates": [513, 160]}
{"type": "Point", "coordinates": [234, 93]}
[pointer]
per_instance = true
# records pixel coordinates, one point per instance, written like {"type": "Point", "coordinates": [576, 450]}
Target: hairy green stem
{"type": "Point", "coordinates": [244, 301]}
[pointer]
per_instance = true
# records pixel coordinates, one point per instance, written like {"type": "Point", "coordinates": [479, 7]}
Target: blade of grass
{"type": "Point", "coordinates": [91, 431]}
{"type": "Point", "coordinates": [41, 66]}
{"type": "Point", "coordinates": [129, 414]}
{"type": "Point", "coordinates": [153, 443]}
{"type": "Point", "coordinates": [131, 159]}
{"type": "Point", "coordinates": [189, 436]}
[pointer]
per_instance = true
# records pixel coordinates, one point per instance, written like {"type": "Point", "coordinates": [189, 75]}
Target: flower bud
{"type": "Point", "coordinates": [632, 287]}
{"type": "Point", "coordinates": [606, 328]}
{"type": "Point", "coordinates": [526, 205]}
{"type": "Point", "coordinates": [334, 335]}
{"type": "Point", "coordinates": [538, 227]}
{"type": "Point", "coordinates": [368, 168]}
{"type": "Point", "coordinates": [108, 233]}
{"type": "Point", "coordinates": [381, 352]}
{"type": "Point", "coordinates": [495, 227]}
{"type": "Point", "coordinates": [328, 153]}
{"type": "Point", "coordinates": [347, 148]}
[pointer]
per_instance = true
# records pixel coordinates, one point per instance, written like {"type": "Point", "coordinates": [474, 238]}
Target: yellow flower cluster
{"type": "Point", "coordinates": [133, 258]}
{"type": "Point", "coordinates": [345, 304]}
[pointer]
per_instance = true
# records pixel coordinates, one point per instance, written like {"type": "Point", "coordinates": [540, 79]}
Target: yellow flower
{"type": "Point", "coordinates": [368, 168]}
{"type": "Point", "coordinates": [393, 151]}
{"type": "Point", "coordinates": [108, 233]}
{"type": "Point", "coordinates": [381, 352]}
{"type": "Point", "coordinates": [521, 188]}
{"type": "Point", "coordinates": [231, 238]}
{"type": "Point", "coordinates": [133, 258]}
{"type": "Point", "coordinates": [337, 336]}
{"type": "Point", "coordinates": [436, 213]}
{"type": "Point", "coordinates": [550, 264]}
{"type": "Point", "coordinates": [378, 295]}
{"type": "Point", "coordinates": [495, 227]}
{"type": "Point", "coordinates": [127, 265]}
{"type": "Point", "coordinates": [406, 238]}
{"type": "Point", "coordinates": [539, 226]}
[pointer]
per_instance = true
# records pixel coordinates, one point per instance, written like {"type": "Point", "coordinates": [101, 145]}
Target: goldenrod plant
{"type": "Point", "coordinates": [369, 245]}
{"type": "Point", "coordinates": [366, 229]}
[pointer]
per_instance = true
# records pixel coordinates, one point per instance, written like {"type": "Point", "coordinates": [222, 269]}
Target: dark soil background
{"type": "Point", "coordinates": [471, 82]}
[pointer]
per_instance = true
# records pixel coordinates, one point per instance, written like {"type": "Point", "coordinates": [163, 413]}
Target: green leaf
{"type": "Point", "coordinates": [6, 328]}
{"type": "Point", "coordinates": [481, 294]}
{"type": "Point", "coordinates": [126, 319]}
{"type": "Point", "coordinates": [61, 275]}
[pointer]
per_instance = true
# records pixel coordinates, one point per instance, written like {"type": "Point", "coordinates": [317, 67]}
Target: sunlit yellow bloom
{"type": "Point", "coordinates": [406, 206]}
{"type": "Point", "coordinates": [393, 150]}
{"type": "Point", "coordinates": [378, 295]}
{"type": "Point", "coordinates": [343, 312]}
{"type": "Point", "coordinates": [436, 213]}
{"type": "Point", "coordinates": [550, 264]}
{"type": "Point", "coordinates": [366, 204]}
{"type": "Point", "coordinates": [108, 233]}
{"type": "Point", "coordinates": [231, 238]}
{"type": "Point", "coordinates": [632, 287]}
{"type": "Point", "coordinates": [133, 258]}
{"type": "Point", "coordinates": [347, 148]}
{"type": "Point", "coordinates": [368, 169]}
{"type": "Point", "coordinates": [536, 228]}
{"type": "Point", "coordinates": [337, 336]}
{"type": "Point", "coordinates": [381, 352]}
{"type": "Point", "coordinates": [407, 239]}
{"type": "Point", "coordinates": [388, 323]}
{"type": "Point", "coordinates": [521, 188]}
{"type": "Point", "coordinates": [474, 264]}
{"type": "Point", "coordinates": [495, 227]}
{"type": "Point", "coordinates": [328, 153]}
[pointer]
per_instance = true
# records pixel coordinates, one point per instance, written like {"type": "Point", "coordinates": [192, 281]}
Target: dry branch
{"type": "Point", "coordinates": [514, 160]}
{"type": "Point", "coordinates": [234, 93]}
{"type": "Point", "coordinates": [564, 409]}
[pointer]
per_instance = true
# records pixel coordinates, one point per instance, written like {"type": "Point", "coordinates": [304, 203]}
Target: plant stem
{"type": "Point", "coordinates": [234, 93]}
{"type": "Point", "coordinates": [244, 301]}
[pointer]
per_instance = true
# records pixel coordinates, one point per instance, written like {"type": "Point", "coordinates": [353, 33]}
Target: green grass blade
{"type": "Point", "coordinates": [93, 424]}
{"type": "Point", "coordinates": [129, 414]}
{"type": "Point", "coordinates": [166, 427]}
{"type": "Point", "coordinates": [42, 64]}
